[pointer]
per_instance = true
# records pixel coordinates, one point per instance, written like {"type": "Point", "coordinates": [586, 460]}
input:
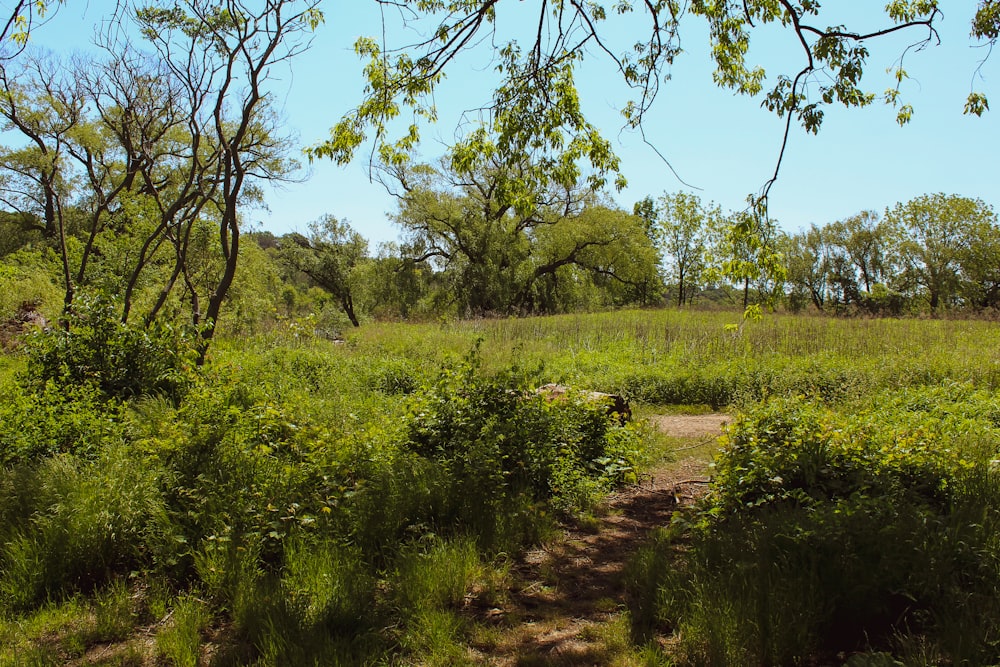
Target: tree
{"type": "Point", "coordinates": [682, 230]}
{"type": "Point", "coordinates": [536, 111]}
{"type": "Point", "coordinates": [155, 146]}
{"type": "Point", "coordinates": [505, 240]}
{"type": "Point", "coordinates": [43, 106]}
{"type": "Point", "coordinates": [865, 240]}
{"type": "Point", "coordinates": [807, 259]}
{"type": "Point", "coordinates": [647, 211]}
{"type": "Point", "coordinates": [936, 231]}
{"type": "Point", "coordinates": [746, 251]}
{"type": "Point", "coordinates": [328, 257]}
{"type": "Point", "coordinates": [980, 265]}
{"type": "Point", "coordinates": [222, 53]}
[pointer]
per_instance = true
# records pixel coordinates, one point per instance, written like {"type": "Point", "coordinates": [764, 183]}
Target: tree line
{"type": "Point", "coordinates": [935, 252]}
{"type": "Point", "coordinates": [466, 251]}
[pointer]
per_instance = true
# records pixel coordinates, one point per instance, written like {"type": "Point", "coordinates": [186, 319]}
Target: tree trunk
{"type": "Point", "coordinates": [347, 303]}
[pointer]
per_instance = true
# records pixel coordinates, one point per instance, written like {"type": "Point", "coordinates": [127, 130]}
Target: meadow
{"type": "Point", "coordinates": [306, 501]}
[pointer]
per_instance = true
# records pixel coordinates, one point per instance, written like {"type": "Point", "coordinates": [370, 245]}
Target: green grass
{"type": "Point", "coordinates": [342, 503]}
{"type": "Point", "coordinates": [179, 641]}
{"type": "Point", "coordinates": [689, 358]}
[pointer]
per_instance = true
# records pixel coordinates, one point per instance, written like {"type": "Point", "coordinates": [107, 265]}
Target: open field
{"type": "Point", "coordinates": [374, 501]}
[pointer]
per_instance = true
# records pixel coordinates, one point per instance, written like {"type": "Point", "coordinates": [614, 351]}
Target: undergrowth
{"type": "Point", "coordinates": [831, 533]}
{"type": "Point", "coordinates": [297, 501]}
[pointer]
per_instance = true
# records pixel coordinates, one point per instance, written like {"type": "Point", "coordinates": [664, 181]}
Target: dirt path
{"type": "Point", "coordinates": [565, 593]}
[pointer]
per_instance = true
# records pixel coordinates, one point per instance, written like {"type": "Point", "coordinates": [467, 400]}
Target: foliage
{"type": "Point", "coordinates": [55, 418]}
{"type": "Point", "coordinates": [328, 258]}
{"type": "Point", "coordinates": [536, 107]}
{"type": "Point", "coordinates": [352, 502]}
{"type": "Point", "coordinates": [830, 532]}
{"type": "Point", "coordinates": [96, 349]}
{"type": "Point", "coordinates": [27, 276]}
{"type": "Point", "coordinates": [502, 445]}
{"type": "Point", "coordinates": [503, 247]}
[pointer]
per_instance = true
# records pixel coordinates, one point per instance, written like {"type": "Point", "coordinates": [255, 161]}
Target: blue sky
{"type": "Point", "coordinates": [722, 143]}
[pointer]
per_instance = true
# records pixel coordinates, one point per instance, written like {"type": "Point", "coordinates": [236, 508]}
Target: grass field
{"type": "Point", "coordinates": [303, 501]}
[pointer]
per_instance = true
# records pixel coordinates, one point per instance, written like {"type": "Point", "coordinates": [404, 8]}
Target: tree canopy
{"type": "Point", "coordinates": [506, 248]}
{"type": "Point", "coordinates": [536, 105]}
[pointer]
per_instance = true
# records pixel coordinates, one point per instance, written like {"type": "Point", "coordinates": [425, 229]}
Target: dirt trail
{"type": "Point", "coordinates": [564, 592]}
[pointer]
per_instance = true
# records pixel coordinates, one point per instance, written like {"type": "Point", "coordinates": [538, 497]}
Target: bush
{"type": "Point", "coordinates": [826, 533]}
{"type": "Point", "coordinates": [52, 419]}
{"type": "Point", "coordinates": [502, 447]}
{"type": "Point", "coordinates": [122, 360]}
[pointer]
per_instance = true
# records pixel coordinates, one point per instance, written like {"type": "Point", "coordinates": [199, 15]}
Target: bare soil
{"type": "Point", "coordinates": [565, 592]}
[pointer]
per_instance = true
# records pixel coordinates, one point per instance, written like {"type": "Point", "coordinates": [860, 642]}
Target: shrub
{"type": "Point", "coordinates": [827, 533]}
{"type": "Point", "coordinates": [501, 447]}
{"type": "Point", "coordinates": [243, 473]}
{"type": "Point", "coordinates": [56, 419]}
{"type": "Point", "coordinates": [122, 360]}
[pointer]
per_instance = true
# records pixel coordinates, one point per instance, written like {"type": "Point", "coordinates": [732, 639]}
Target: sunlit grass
{"type": "Point", "coordinates": [639, 353]}
{"type": "Point", "coordinates": [347, 548]}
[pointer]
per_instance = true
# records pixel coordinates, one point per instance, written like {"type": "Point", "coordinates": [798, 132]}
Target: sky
{"type": "Point", "coordinates": [723, 146]}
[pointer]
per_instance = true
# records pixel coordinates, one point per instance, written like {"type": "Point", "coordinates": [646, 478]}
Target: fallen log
{"type": "Point", "coordinates": [616, 404]}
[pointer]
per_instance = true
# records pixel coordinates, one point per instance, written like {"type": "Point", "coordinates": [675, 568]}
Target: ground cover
{"type": "Point", "coordinates": [404, 497]}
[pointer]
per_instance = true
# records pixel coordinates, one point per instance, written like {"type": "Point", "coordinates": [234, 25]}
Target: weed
{"type": "Point", "coordinates": [826, 533]}
{"type": "Point", "coordinates": [180, 640]}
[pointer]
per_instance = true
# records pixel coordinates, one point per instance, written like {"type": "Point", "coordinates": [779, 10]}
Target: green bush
{"type": "Point", "coordinates": [53, 418]}
{"type": "Point", "coordinates": [502, 448]}
{"type": "Point", "coordinates": [243, 473]}
{"type": "Point", "coordinates": [826, 532]}
{"type": "Point", "coordinates": [123, 360]}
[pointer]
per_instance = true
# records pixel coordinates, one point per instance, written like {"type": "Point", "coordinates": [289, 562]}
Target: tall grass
{"type": "Point", "coordinates": [343, 503]}
{"type": "Point", "coordinates": [686, 357]}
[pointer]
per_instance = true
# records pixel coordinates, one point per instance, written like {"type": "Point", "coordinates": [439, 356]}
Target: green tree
{"type": "Point", "coordinates": [329, 257]}
{"type": "Point", "coordinates": [807, 260]}
{"type": "Point", "coordinates": [536, 103]}
{"type": "Point", "coordinates": [647, 211]}
{"type": "Point", "coordinates": [392, 285]}
{"type": "Point", "coordinates": [223, 54]}
{"type": "Point", "coordinates": [42, 107]}
{"type": "Point", "coordinates": [980, 265]}
{"type": "Point", "coordinates": [746, 251]}
{"type": "Point", "coordinates": [866, 241]}
{"type": "Point", "coordinates": [505, 248]}
{"type": "Point", "coordinates": [682, 232]}
{"type": "Point", "coordinates": [935, 232]}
